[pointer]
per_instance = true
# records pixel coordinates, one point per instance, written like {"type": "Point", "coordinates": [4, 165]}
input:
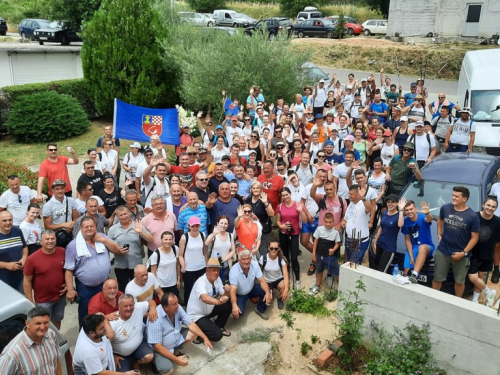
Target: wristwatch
{"type": "Point", "coordinates": [465, 253]}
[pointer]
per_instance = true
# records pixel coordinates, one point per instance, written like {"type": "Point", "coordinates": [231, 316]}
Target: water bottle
{"type": "Point", "coordinates": [220, 259]}
{"type": "Point", "coordinates": [395, 272]}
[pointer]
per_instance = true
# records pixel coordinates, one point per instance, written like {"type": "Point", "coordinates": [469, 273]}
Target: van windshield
{"type": "Point", "coordinates": [484, 102]}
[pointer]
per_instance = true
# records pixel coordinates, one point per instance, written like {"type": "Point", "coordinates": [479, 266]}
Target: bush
{"type": "Point", "coordinates": [46, 117]}
{"type": "Point", "coordinates": [28, 177]}
{"type": "Point", "coordinates": [206, 6]}
{"type": "Point", "coordinates": [77, 88]}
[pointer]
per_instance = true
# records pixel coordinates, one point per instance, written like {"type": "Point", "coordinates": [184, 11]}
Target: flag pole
{"type": "Point", "coordinates": [114, 119]}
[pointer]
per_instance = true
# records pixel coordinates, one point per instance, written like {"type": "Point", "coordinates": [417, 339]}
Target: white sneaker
{"type": "Point", "coordinates": [297, 284]}
{"type": "Point", "coordinates": [312, 285]}
{"type": "Point", "coordinates": [315, 290]}
{"type": "Point", "coordinates": [491, 298]}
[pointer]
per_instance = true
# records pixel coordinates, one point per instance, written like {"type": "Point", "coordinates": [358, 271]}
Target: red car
{"type": "Point", "coordinates": [353, 27]}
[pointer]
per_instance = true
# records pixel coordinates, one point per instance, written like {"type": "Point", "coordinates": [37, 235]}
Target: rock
{"type": "Point", "coordinates": [335, 346]}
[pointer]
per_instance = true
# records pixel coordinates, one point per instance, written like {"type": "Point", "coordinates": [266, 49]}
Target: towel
{"type": "Point", "coordinates": [82, 249]}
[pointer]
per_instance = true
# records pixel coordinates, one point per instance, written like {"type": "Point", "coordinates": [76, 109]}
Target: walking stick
{"type": "Point", "coordinates": [397, 68]}
{"type": "Point", "coordinates": [439, 71]}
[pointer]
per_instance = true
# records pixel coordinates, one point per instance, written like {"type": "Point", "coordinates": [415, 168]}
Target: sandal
{"type": "Point", "coordinates": [225, 332]}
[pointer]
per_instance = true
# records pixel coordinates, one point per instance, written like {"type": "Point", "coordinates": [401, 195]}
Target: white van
{"type": "Point", "coordinates": [479, 89]}
{"type": "Point", "coordinates": [231, 18]}
{"type": "Point", "coordinates": [309, 13]}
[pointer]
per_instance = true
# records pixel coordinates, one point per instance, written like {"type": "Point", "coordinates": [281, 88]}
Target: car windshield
{"type": "Point", "coordinates": [44, 24]}
{"type": "Point", "coordinates": [240, 15]}
{"type": "Point", "coordinates": [55, 24]}
{"type": "Point", "coordinates": [437, 193]}
{"type": "Point", "coordinates": [483, 103]}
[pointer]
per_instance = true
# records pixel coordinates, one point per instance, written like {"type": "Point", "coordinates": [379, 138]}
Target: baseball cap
{"type": "Point", "coordinates": [289, 115]}
{"type": "Point", "coordinates": [466, 110]}
{"type": "Point", "coordinates": [194, 220]}
{"type": "Point", "coordinates": [387, 133]}
{"type": "Point", "coordinates": [404, 119]}
{"type": "Point", "coordinates": [218, 127]}
{"type": "Point", "coordinates": [349, 138]}
{"type": "Point", "coordinates": [419, 123]}
{"type": "Point", "coordinates": [280, 144]}
{"type": "Point", "coordinates": [135, 145]}
{"type": "Point", "coordinates": [202, 150]}
{"type": "Point", "coordinates": [363, 79]}
{"type": "Point", "coordinates": [414, 84]}
{"type": "Point", "coordinates": [321, 81]}
{"type": "Point", "coordinates": [348, 87]}
{"type": "Point", "coordinates": [397, 108]}
{"type": "Point", "coordinates": [58, 182]}
{"type": "Point", "coordinates": [318, 115]}
{"type": "Point", "coordinates": [329, 143]}
{"type": "Point", "coordinates": [392, 197]}
{"type": "Point", "coordinates": [252, 152]}
{"type": "Point", "coordinates": [409, 145]}
{"type": "Point", "coordinates": [185, 125]}
{"type": "Point", "coordinates": [214, 263]}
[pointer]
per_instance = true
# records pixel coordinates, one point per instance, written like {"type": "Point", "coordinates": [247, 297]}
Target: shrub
{"type": "Point", "coordinates": [206, 6]}
{"type": "Point", "coordinates": [46, 117]}
{"type": "Point", "coordinates": [77, 88]}
{"type": "Point", "coordinates": [27, 177]}
{"type": "Point", "coordinates": [300, 301]}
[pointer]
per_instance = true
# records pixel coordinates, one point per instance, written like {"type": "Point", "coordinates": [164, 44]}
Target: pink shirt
{"type": "Point", "coordinates": [289, 214]}
{"type": "Point", "coordinates": [332, 206]}
{"type": "Point", "coordinates": [156, 227]}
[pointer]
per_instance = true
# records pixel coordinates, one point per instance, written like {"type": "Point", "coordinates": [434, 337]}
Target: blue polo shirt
{"type": "Point", "coordinates": [244, 187]}
{"type": "Point", "coordinates": [243, 282]}
{"type": "Point", "coordinates": [184, 216]}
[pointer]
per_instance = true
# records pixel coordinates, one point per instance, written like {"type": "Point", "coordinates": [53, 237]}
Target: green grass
{"type": "Point", "coordinates": [258, 335]}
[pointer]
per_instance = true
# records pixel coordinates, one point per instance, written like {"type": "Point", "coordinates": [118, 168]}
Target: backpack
{"type": "Point", "coordinates": [298, 166]}
{"type": "Point", "coordinates": [427, 135]}
{"type": "Point", "coordinates": [158, 252]}
{"type": "Point", "coordinates": [322, 204]}
{"type": "Point", "coordinates": [264, 262]}
{"type": "Point", "coordinates": [434, 127]}
{"type": "Point", "coordinates": [186, 236]}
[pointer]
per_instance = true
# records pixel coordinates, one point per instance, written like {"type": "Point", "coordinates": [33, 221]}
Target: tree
{"type": "Point", "coordinates": [381, 6]}
{"type": "Point", "coordinates": [206, 6]}
{"type": "Point", "coordinates": [76, 12]}
{"type": "Point", "coordinates": [291, 8]}
{"type": "Point", "coordinates": [121, 57]}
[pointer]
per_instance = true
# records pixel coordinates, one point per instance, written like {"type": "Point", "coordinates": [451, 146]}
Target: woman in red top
{"type": "Point", "coordinates": [248, 230]}
{"type": "Point", "coordinates": [288, 216]}
{"type": "Point", "coordinates": [295, 153]}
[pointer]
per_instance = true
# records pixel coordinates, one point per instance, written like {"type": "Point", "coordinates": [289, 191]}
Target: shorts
{"type": "Point", "coordinates": [407, 263]}
{"type": "Point", "coordinates": [480, 265]}
{"type": "Point", "coordinates": [165, 365]}
{"type": "Point", "coordinates": [56, 308]}
{"type": "Point", "coordinates": [442, 265]}
{"type": "Point", "coordinates": [307, 227]}
{"type": "Point", "coordinates": [440, 147]}
{"type": "Point", "coordinates": [329, 262]}
{"type": "Point", "coordinates": [138, 354]}
{"type": "Point", "coordinates": [274, 284]}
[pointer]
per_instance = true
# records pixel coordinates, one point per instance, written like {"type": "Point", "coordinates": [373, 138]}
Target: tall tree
{"type": "Point", "coordinates": [122, 59]}
{"type": "Point", "coordinates": [381, 6]}
{"type": "Point", "coordinates": [75, 11]}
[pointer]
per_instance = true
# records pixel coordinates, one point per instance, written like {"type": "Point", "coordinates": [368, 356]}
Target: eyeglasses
{"type": "Point", "coordinates": [20, 199]}
{"type": "Point", "coordinates": [52, 149]}
{"type": "Point", "coordinates": [407, 150]}
{"type": "Point", "coordinates": [255, 136]}
{"type": "Point", "coordinates": [148, 155]}
{"type": "Point", "coordinates": [248, 211]}
{"type": "Point", "coordinates": [277, 131]}
{"type": "Point", "coordinates": [274, 248]}
{"type": "Point", "coordinates": [272, 154]}
{"type": "Point", "coordinates": [247, 119]}
{"type": "Point", "coordinates": [280, 148]}
{"type": "Point", "coordinates": [109, 144]}
{"type": "Point", "coordinates": [90, 189]}
{"type": "Point", "coordinates": [90, 167]}
{"type": "Point", "coordinates": [203, 179]}
{"type": "Point", "coordinates": [441, 97]}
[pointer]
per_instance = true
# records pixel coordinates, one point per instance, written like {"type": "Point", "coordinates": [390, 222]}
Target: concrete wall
{"type": "Point", "coordinates": [444, 17]}
{"type": "Point", "coordinates": [5, 70]}
{"type": "Point", "coordinates": [465, 335]}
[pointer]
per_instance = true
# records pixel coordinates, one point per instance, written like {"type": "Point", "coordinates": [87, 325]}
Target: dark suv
{"type": "Point", "coordinates": [3, 26]}
{"type": "Point", "coordinates": [273, 25]}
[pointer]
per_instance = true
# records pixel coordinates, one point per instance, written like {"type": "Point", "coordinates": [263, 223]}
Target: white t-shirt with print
{"type": "Point", "coordinates": [143, 293]}
{"type": "Point", "coordinates": [129, 333]}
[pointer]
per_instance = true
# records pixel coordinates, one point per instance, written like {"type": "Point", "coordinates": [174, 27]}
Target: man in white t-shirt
{"type": "Point", "coordinates": [130, 348]}
{"type": "Point", "coordinates": [461, 135]}
{"type": "Point", "coordinates": [93, 352]}
{"type": "Point", "coordinates": [85, 191]}
{"type": "Point", "coordinates": [340, 175]}
{"type": "Point", "coordinates": [425, 145]}
{"type": "Point", "coordinates": [210, 298]}
{"type": "Point", "coordinates": [142, 288]}
{"type": "Point", "coordinates": [16, 199]}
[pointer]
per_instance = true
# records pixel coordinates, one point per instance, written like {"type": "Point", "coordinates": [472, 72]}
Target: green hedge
{"type": "Point", "coordinates": [27, 176]}
{"type": "Point", "coordinates": [77, 88]}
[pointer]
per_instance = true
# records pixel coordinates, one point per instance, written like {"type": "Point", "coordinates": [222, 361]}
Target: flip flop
{"type": "Point", "coordinates": [225, 332]}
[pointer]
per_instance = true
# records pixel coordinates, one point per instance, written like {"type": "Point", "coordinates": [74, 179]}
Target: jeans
{"type": "Point", "coordinates": [362, 250]}
{"type": "Point", "coordinates": [256, 291]}
{"type": "Point", "coordinates": [85, 293]}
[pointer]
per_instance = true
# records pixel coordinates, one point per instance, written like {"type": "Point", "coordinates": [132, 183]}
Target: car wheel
{"type": "Point", "coordinates": [235, 25]}
{"type": "Point", "coordinates": [300, 34]}
{"type": "Point", "coordinates": [23, 35]}
{"type": "Point", "coordinates": [210, 24]}
{"type": "Point", "coordinates": [368, 33]}
{"type": "Point", "coordinates": [329, 34]}
{"type": "Point", "coordinates": [41, 43]}
{"type": "Point", "coordinates": [350, 31]}
{"type": "Point", "coordinates": [272, 36]}
{"type": "Point", "coordinates": [64, 41]}
{"type": "Point", "coordinates": [4, 33]}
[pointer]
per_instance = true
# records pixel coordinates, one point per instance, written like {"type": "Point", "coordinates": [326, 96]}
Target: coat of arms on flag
{"type": "Point", "coordinates": [152, 125]}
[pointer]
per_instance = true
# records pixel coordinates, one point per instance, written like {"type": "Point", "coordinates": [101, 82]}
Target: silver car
{"type": "Point", "coordinates": [13, 313]}
{"type": "Point", "coordinates": [198, 19]}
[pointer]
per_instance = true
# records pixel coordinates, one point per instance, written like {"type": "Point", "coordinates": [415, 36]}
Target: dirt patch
{"type": "Point", "coordinates": [372, 53]}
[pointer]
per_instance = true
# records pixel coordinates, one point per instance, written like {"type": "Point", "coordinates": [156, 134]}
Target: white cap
{"type": "Point", "coordinates": [404, 118]}
{"type": "Point", "coordinates": [136, 145]}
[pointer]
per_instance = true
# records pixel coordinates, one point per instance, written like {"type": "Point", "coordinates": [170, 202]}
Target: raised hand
{"type": "Point", "coordinates": [381, 70]}
{"type": "Point", "coordinates": [425, 207]}
{"type": "Point", "coordinates": [362, 191]}
{"type": "Point", "coordinates": [240, 211]}
{"type": "Point", "coordinates": [251, 91]}
{"type": "Point", "coordinates": [212, 198]}
{"type": "Point", "coordinates": [263, 197]}
{"type": "Point", "coordinates": [300, 207]}
{"type": "Point", "coordinates": [316, 182]}
{"type": "Point", "coordinates": [224, 93]}
{"type": "Point", "coordinates": [401, 204]}
{"type": "Point", "coordinates": [138, 227]}
{"type": "Point", "coordinates": [271, 107]}
{"type": "Point", "coordinates": [200, 113]}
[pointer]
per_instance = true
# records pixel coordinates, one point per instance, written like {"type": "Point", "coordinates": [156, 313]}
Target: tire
{"type": "Point", "coordinates": [23, 35]}
{"type": "Point", "coordinates": [40, 42]}
{"type": "Point", "coordinates": [350, 31]}
{"type": "Point", "coordinates": [235, 25]}
{"type": "Point", "coordinates": [4, 33]}
{"type": "Point", "coordinates": [210, 24]}
{"type": "Point", "coordinates": [329, 34]}
{"type": "Point", "coordinates": [64, 40]}
{"type": "Point", "coordinates": [300, 34]}
{"type": "Point", "coordinates": [367, 32]}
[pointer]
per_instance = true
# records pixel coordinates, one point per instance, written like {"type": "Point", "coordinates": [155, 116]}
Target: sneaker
{"type": "Point", "coordinates": [315, 290]}
{"type": "Point", "coordinates": [311, 270]}
{"type": "Point", "coordinates": [491, 298]}
{"type": "Point", "coordinates": [329, 281]}
{"type": "Point", "coordinates": [262, 314]}
{"type": "Point", "coordinates": [413, 278]}
{"type": "Point", "coordinates": [495, 277]}
{"type": "Point", "coordinates": [297, 284]}
{"type": "Point", "coordinates": [281, 304]}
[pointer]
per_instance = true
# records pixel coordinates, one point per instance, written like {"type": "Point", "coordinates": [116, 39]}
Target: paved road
{"type": "Point", "coordinates": [434, 87]}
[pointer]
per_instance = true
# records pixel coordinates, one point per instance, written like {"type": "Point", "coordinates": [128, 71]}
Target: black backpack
{"type": "Point", "coordinates": [158, 252]}
{"type": "Point", "coordinates": [412, 139]}
{"type": "Point", "coordinates": [186, 236]}
{"type": "Point", "coordinates": [264, 262]}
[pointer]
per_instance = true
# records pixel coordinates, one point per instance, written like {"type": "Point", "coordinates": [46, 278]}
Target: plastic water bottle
{"type": "Point", "coordinates": [220, 259]}
{"type": "Point", "coordinates": [395, 272]}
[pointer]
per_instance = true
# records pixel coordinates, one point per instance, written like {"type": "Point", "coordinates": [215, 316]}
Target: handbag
{"type": "Point", "coordinates": [63, 238]}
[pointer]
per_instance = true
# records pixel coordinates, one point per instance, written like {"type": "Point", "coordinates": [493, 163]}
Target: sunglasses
{"type": "Point", "coordinates": [203, 179]}
{"type": "Point", "coordinates": [52, 149]}
{"type": "Point", "coordinates": [407, 150]}
{"type": "Point", "coordinates": [254, 136]}
{"type": "Point", "coordinates": [281, 170]}
{"type": "Point", "coordinates": [274, 248]}
{"type": "Point", "coordinates": [109, 144]}
{"type": "Point", "coordinates": [191, 153]}
{"type": "Point", "coordinates": [441, 97]}
{"type": "Point", "coordinates": [247, 119]}
{"type": "Point", "coordinates": [278, 131]}
{"type": "Point", "coordinates": [321, 156]}
{"type": "Point", "coordinates": [90, 167]}
{"type": "Point", "coordinates": [272, 154]}
{"type": "Point", "coordinates": [148, 155]}
{"type": "Point", "coordinates": [248, 211]}
{"type": "Point", "coordinates": [280, 148]}
{"type": "Point", "coordinates": [90, 189]}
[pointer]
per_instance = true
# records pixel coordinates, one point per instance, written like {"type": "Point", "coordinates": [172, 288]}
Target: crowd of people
{"type": "Point", "coordinates": [193, 240]}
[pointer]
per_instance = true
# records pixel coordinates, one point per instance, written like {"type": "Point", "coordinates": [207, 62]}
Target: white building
{"type": "Point", "coordinates": [22, 63]}
{"type": "Point", "coordinates": [447, 18]}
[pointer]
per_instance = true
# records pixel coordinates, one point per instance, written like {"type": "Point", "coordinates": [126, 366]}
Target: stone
{"type": "Point", "coordinates": [335, 346]}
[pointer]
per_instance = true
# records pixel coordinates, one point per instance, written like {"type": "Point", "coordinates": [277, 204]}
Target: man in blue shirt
{"type": "Point", "coordinates": [165, 335]}
{"type": "Point", "coordinates": [418, 238]}
{"type": "Point", "coordinates": [224, 204]}
{"type": "Point", "coordinates": [193, 209]}
{"type": "Point", "coordinates": [253, 99]}
{"type": "Point", "coordinates": [458, 233]}
{"type": "Point", "coordinates": [379, 108]}
{"type": "Point", "coordinates": [410, 96]}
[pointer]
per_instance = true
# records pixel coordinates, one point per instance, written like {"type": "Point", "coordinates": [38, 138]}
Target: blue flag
{"type": "Point", "coordinates": [139, 124]}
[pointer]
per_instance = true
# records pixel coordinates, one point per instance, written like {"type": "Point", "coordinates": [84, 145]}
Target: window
{"type": "Point", "coordinates": [483, 102]}
{"type": "Point", "coordinates": [228, 16]}
{"type": "Point", "coordinates": [302, 15]}
{"type": "Point", "coordinates": [308, 23]}
{"type": "Point", "coordinates": [372, 23]}
{"type": "Point", "coordinates": [9, 329]}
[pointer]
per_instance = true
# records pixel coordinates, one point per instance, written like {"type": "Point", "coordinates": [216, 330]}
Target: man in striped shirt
{"type": "Point", "coordinates": [13, 252]}
{"type": "Point", "coordinates": [35, 350]}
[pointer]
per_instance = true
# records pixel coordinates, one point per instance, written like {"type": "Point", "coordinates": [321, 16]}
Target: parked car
{"type": "Point", "coordinates": [198, 19]}
{"type": "Point", "coordinates": [353, 26]}
{"type": "Point", "coordinates": [475, 171]}
{"type": "Point", "coordinates": [316, 27]}
{"type": "Point", "coordinates": [273, 26]}
{"type": "Point", "coordinates": [313, 74]}
{"type": "Point", "coordinates": [57, 32]}
{"type": "Point", "coordinates": [13, 313]}
{"type": "Point", "coordinates": [375, 27]}
{"type": "Point", "coordinates": [28, 26]}
{"type": "Point", "coordinates": [225, 17]}
{"type": "Point", "coordinates": [3, 26]}
{"type": "Point", "coordinates": [309, 13]}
